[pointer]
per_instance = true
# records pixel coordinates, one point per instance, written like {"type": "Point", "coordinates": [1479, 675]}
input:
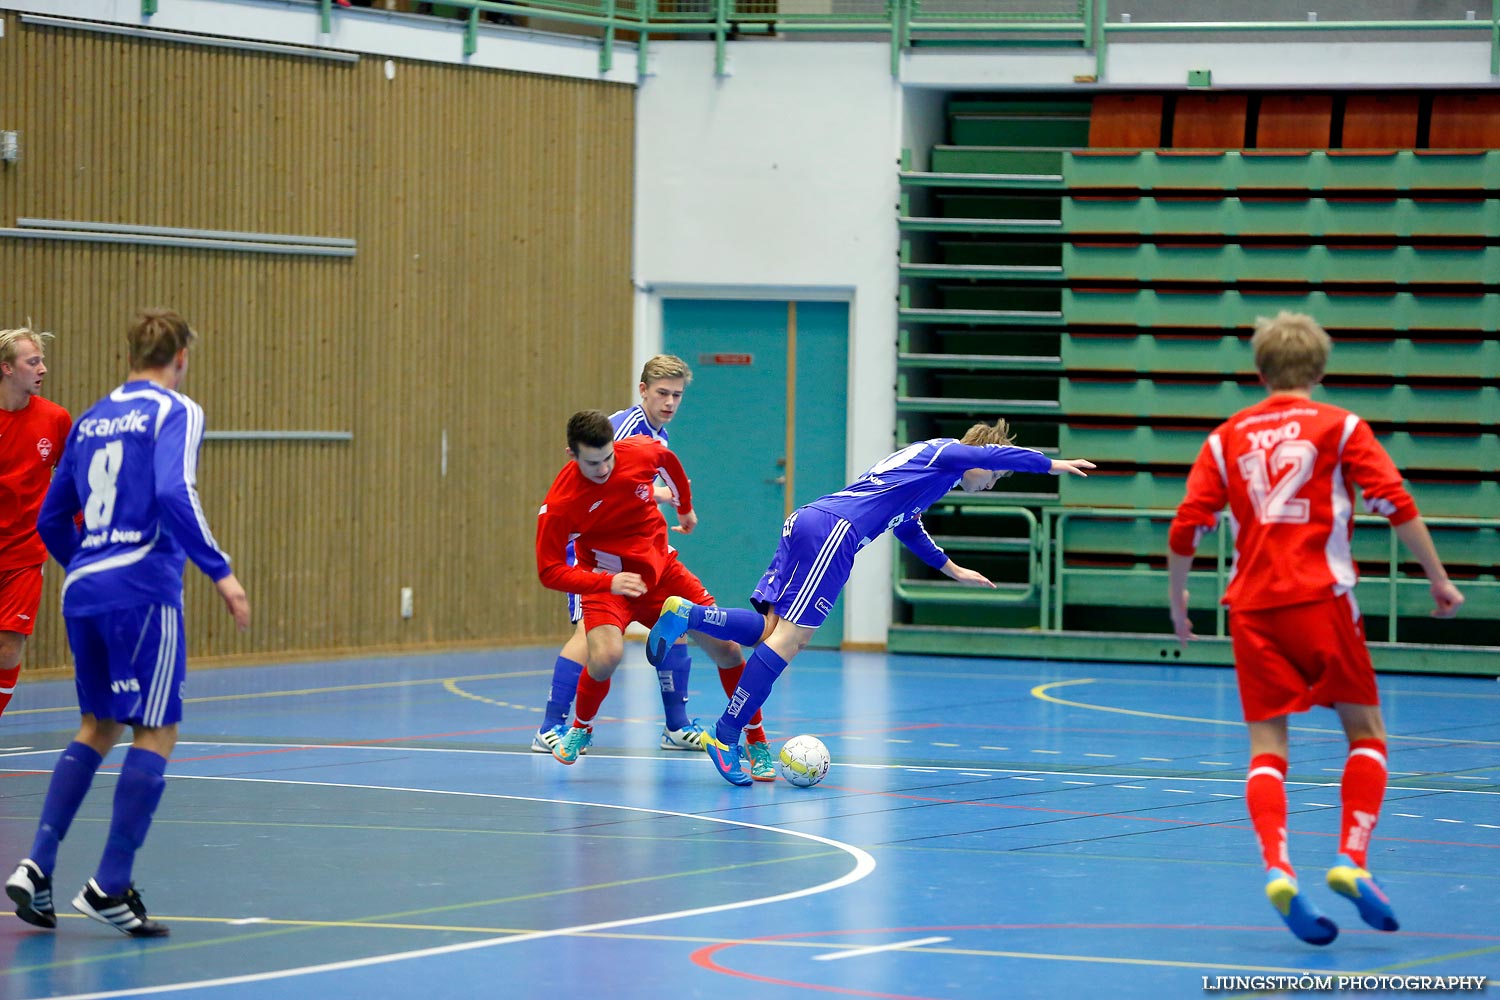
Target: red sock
{"type": "Point", "coordinates": [1362, 790]}
{"type": "Point", "coordinates": [729, 680]}
{"type": "Point", "coordinates": [8, 680]}
{"type": "Point", "coordinates": [1265, 794]}
{"type": "Point", "coordinates": [590, 696]}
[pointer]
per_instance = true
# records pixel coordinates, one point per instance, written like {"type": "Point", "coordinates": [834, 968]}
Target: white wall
{"type": "Point", "coordinates": [781, 181]}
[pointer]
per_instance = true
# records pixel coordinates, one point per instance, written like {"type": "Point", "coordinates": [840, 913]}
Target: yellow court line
{"type": "Point", "coordinates": [1040, 691]}
{"type": "Point", "coordinates": [375, 686]}
{"type": "Point", "coordinates": [451, 686]}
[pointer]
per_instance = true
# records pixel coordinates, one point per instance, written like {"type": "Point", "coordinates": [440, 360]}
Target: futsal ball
{"type": "Point", "coordinates": [804, 761]}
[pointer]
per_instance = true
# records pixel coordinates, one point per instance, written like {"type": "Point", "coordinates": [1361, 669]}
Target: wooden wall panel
{"type": "Point", "coordinates": [490, 298]}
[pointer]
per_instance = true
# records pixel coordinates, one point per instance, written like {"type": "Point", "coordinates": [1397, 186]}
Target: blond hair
{"type": "Point", "coordinates": [980, 434]}
{"type": "Point", "coordinates": [155, 338]}
{"type": "Point", "coordinates": [666, 366]}
{"type": "Point", "coordinates": [1291, 350]}
{"type": "Point", "coordinates": [10, 342]}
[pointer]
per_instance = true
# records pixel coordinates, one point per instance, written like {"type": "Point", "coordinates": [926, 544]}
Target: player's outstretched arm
{"type": "Point", "coordinates": [1178, 566]}
{"type": "Point", "coordinates": [1075, 466]}
{"type": "Point", "coordinates": [1446, 598]}
{"type": "Point", "coordinates": [954, 571]}
{"type": "Point", "coordinates": [235, 600]}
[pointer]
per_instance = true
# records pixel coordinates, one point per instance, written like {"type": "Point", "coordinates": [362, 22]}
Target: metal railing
{"type": "Point", "coordinates": [1054, 584]}
{"type": "Point", "coordinates": [1078, 23]}
{"type": "Point", "coordinates": [1049, 574]}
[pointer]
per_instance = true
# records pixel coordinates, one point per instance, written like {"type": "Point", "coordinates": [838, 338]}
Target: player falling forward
{"type": "Point", "coordinates": [818, 544]}
{"type": "Point", "coordinates": [604, 501]}
{"type": "Point", "coordinates": [1286, 467]}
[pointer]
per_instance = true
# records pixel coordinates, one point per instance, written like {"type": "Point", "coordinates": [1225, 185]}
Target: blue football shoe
{"type": "Point", "coordinates": [726, 760]}
{"type": "Point", "coordinates": [668, 629]}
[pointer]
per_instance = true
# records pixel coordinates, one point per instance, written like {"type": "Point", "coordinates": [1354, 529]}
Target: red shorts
{"type": "Point", "coordinates": [676, 580]}
{"type": "Point", "coordinates": [1290, 659]}
{"type": "Point", "coordinates": [20, 597]}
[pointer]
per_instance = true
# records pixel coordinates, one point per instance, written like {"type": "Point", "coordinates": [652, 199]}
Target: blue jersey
{"type": "Point", "coordinates": [893, 493]}
{"type": "Point", "coordinates": [630, 422]}
{"type": "Point", "coordinates": [131, 467]}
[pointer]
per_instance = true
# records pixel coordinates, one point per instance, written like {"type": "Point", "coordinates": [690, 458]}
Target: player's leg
{"type": "Point", "coordinates": [1265, 796]}
{"type": "Point", "coordinates": [565, 671]}
{"type": "Point", "coordinates": [730, 659]}
{"type": "Point", "coordinates": [1362, 790]}
{"type": "Point", "coordinates": [30, 886]}
{"type": "Point", "coordinates": [11, 645]}
{"type": "Point", "coordinates": [678, 731]}
{"type": "Point", "coordinates": [606, 648]}
{"type": "Point", "coordinates": [20, 597]}
{"type": "Point", "coordinates": [148, 663]}
{"type": "Point", "coordinates": [1272, 687]}
{"type": "Point", "coordinates": [679, 615]}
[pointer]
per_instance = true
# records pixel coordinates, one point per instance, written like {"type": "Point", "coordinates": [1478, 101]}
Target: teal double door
{"type": "Point", "coordinates": [761, 430]}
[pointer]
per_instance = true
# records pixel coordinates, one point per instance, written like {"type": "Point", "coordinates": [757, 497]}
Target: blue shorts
{"type": "Point", "coordinates": [810, 567]}
{"type": "Point", "coordinates": [129, 664]}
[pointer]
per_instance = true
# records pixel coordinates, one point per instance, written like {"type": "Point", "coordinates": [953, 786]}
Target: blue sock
{"type": "Point", "coordinates": [136, 795]}
{"type": "Point", "coordinates": [739, 625]}
{"type": "Point", "coordinates": [761, 671]}
{"type": "Point", "coordinates": [564, 687]}
{"type": "Point", "coordinates": [673, 675]}
{"type": "Point", "coordinates": [71, 777]}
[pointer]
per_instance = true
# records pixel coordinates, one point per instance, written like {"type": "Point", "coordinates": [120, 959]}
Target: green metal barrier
{"type": "Point", "coordinates": [1076, 23]}
{"type": "Point", "coordinates": [1395, 594]}
{"type": "Point", "coordinates": [1119, 535]}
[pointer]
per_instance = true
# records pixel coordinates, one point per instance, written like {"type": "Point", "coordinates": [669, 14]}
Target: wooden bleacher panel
{"type": "Point", "coordinates": [1380, 121]}
{"type": "Point", "coordinates": [1126, 121]}
{"type": "Point", "coordinates": [1465, 121]}
{"type": "Point", "coordinates": [1294, 121]}
{"type": "Point", "coordinates": [1209, 121]}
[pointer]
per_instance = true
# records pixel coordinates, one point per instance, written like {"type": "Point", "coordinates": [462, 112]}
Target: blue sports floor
{"type": "Point", "coordinates": [991, 828]}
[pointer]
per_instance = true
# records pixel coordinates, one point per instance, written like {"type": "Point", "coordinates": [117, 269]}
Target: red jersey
{"type": "Point", "coordinates": [31, 442]}
{"type": "Point", "coordinates": [1287, 468]}
{"type": "Point", "coordinates": [614, 526]}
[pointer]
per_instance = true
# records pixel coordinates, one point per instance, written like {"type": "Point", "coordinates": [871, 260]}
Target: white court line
{"type": "Point", "coordinates": [834, 956]}
{"type": "Point", "coordinates": [864, 864]}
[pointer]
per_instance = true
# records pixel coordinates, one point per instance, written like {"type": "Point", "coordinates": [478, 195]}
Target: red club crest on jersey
{"type": "Point", "coordinates": [643, 490]}
{"type": "Point", "coordinates": [44, 448]}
